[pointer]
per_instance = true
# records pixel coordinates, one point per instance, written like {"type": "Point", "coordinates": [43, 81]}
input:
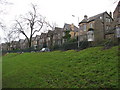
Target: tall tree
{"type": "Point", "coordinates": [31, 23]}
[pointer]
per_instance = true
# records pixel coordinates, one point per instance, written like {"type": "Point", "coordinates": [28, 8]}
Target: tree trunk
{"type": "Point", "coordinates": [29, 44]}
{"type": "Point", "coordinates": [30, 41]}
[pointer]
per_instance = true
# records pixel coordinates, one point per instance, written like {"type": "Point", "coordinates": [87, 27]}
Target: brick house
{"type": "Point", "coordinates": [73, 31]}
{"type": "Point", "coordinates": [21, 44]}
{"type": "Point", "coordinates": [14, 45]}
{"type": "Point", "coordinates": [116, 16]}
{"type": "Point", "coordinates": [4, 46]}
{"type": "Point", "coordinates": [96, 28]}
{"type": "Point", "coordinates": [25, 44]}
{"type": "Point", "coordinates": [42, 41]}
{"type": "Point", "coordinates": [34, 43]}
{"type": "Point", "coordinates": [58, 35]}
{"type": "Point", "coordinates": [49, 39]}
{"type": "Point", "coordinates": [37, 40]}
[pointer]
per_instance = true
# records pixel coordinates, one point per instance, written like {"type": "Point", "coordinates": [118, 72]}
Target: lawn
{"type": "Point", "coordinates": [89, 68]}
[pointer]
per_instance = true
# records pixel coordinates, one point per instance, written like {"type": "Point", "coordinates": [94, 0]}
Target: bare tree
{"type": "Point", "coordinates": [9, 37]}
{"type": "Point", "coordinates": [30, 24]}
{"type": "Point", "coordinates": [51, 26]}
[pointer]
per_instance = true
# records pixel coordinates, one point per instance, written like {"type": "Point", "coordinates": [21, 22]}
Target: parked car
{"type": "Point", "coordinates": [45, 50]}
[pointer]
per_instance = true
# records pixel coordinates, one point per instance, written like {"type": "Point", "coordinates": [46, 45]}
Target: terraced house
{"type": "Point", "coordinates": [42, 41]}
{"type": "Point", "coordinates": [57, 36]}
{"type": "Point", "coordinates": [96, 28]}
{"type": "Point", "coordinates": [72, 29]}
{"type": "Point", "coordinates": [49, 39]}
{"type": "Point", "coordinates": [92, 29]}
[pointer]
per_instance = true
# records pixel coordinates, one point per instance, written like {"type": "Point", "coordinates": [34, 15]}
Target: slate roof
{"type": "Point", "coordinates": [50, 33]}
{"type": "Point", "coordinates": [117, 6]}
{"type": "Point", "coordinates": [58, 30]}
{"type": "Point", "coordinates": [21, 40]}
{"type": "Point", "coordinates": [68, 27]}
{"type": "Point", "coordinates": [43, 35]}
{"type": "Point", "coordinates": [92, 18]}
{"type": "Point", "coordinates": [75, 29]}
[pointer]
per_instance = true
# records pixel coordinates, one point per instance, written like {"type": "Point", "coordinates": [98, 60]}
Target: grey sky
{"type": "Point", "coordinates": [59, 11]}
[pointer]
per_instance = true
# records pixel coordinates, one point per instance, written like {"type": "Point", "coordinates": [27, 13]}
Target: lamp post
{"type": "Point", "coordinates": [78, 30]}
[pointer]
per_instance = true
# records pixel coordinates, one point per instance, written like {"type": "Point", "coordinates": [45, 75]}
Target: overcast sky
{"type": "Point", "coordinates": [59, 11]}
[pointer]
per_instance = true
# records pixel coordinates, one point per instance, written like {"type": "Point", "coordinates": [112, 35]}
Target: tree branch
{"type": "Point", "coordinates": [39, 28]}
{"type": "Point", "coordinates": [21, 30]}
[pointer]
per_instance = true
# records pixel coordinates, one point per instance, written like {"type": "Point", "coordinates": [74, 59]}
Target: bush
{"type": "Point", "coordinates": [83, 45]}
{"type": "Point", "coordinates": [55, 47]}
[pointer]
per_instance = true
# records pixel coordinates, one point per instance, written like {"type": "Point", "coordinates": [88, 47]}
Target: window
{"type": "Point", "coordinates": [90, 35]}
{"type": "Point", "coordinates": [100, 17]}
{"type": "Point", "coordinates": [107, 27]}
{"type": "Point", "coordinates": [91, 25]}
{"type": "Point", "coordinates": [84, 27]}
{"type": "Point", "coordinates": [108, 19]}
{"type": "Point", "coordinates": [63, 33]}
{"type": "Point", "coordinates": [118, 32]}
{"type": "Point", "coordinates": [48, 38]}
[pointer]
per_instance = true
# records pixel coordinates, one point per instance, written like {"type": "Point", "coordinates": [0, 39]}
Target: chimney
{"type": "Point", "coordinates": [85, 17]}
{"type": "Point", "coordinates": [110, 14]}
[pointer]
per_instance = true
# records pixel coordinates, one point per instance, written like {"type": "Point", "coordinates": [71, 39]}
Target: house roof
{"type": "Point", "coordinates": [50, 33]}
{"type": "Point", "coordinates": [68, 27]}
{"type": "Point", "coordinates": [21, 40]}
{"type": "Point", "coordinates": [75, 29]}
{"type": "Point", "coordinates": [43, 35]}
{"type": "Point", "coordinates": [117, 7]}
{"type": "Point", "coordinates": [37, 37]}
{"type": "Point", "coordinates": [58, 30]}
{"type": "Point", "coordinates": [93, 18]}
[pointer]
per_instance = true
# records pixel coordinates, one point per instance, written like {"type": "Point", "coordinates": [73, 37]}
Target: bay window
{"type": "Point", "coordinates": [118, 32]}
{"type": "Point", "coordinates": [90, 35]}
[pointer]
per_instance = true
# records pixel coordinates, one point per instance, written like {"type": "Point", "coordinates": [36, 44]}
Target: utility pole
{"type": "Point", "coordinates": [78, 30]}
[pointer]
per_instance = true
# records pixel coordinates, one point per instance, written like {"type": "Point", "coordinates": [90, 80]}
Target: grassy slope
{"type": "Point", "coordinates": [90, 68]}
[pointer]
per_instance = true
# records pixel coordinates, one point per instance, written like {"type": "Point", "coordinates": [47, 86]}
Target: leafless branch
{"type": "Point", "coordinates": [32, 22]}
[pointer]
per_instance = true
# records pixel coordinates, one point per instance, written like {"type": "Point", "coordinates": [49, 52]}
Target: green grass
{"type": "Point", "coordinates": [89, 68]}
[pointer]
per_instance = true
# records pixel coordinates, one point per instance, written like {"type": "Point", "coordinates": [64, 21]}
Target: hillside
{"type": "Point", "coordinates": [89, 68]}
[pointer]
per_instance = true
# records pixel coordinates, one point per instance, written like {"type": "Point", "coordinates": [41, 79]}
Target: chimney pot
{"type": "Point", "coordinates": [85, 17]}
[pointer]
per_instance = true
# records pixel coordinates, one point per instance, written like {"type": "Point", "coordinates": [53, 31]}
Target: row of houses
{"type": "Point", "coordinates": [51, 38]}
{"type": "Point", "coordinates": [93, 29]}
